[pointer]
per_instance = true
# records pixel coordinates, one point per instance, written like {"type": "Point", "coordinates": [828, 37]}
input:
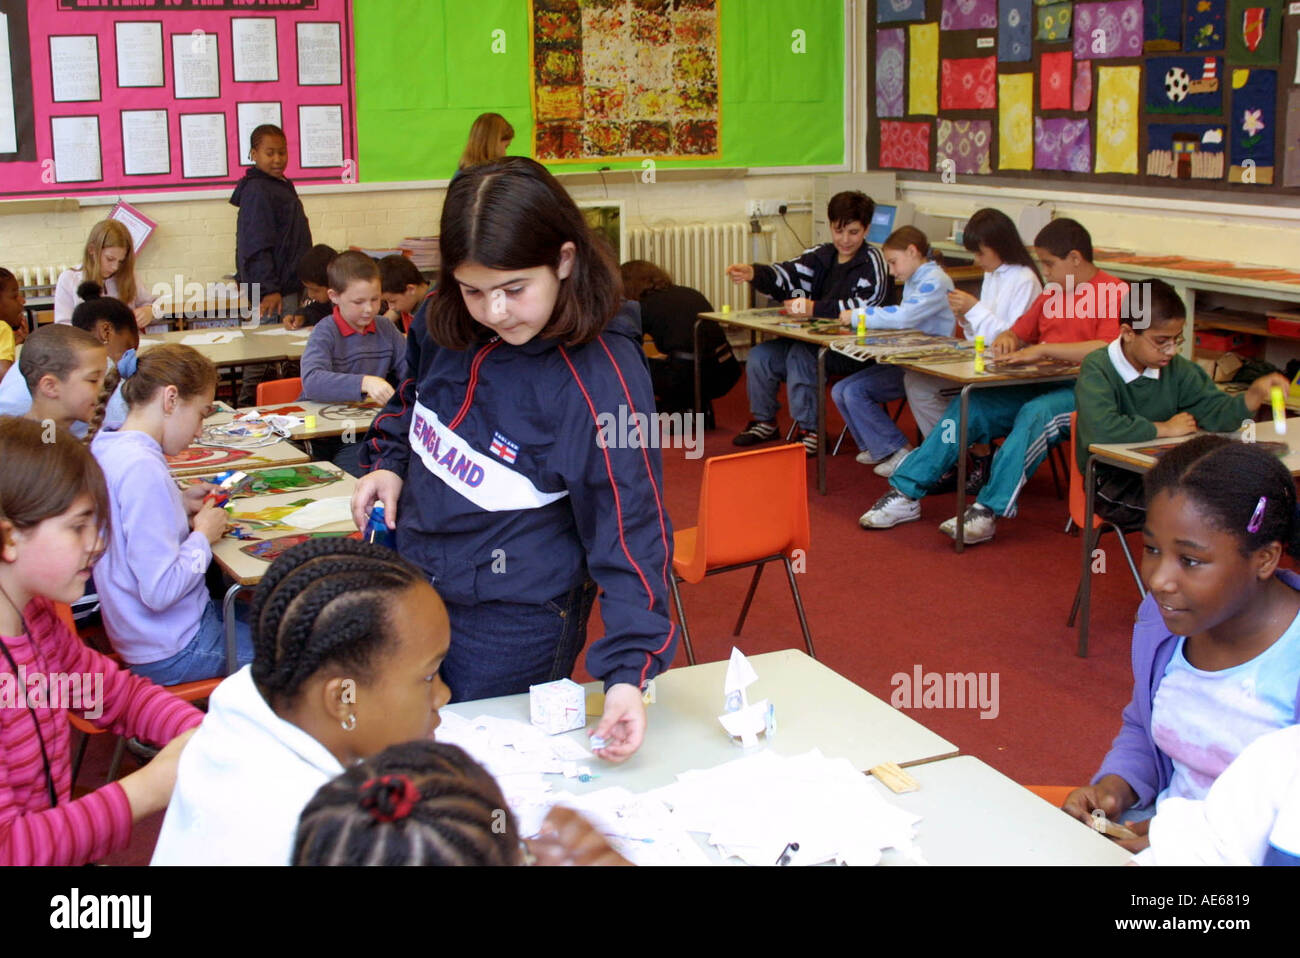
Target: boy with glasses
{"type": "Point", "coordinates": [1138, 388]}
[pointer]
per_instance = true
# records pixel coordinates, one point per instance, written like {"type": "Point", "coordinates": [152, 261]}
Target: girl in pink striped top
{"type": "Point", "coordinates": [53, 518]}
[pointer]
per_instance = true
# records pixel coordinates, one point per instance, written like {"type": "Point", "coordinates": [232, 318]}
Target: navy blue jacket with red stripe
{"type": "Point", "coordinates": [509, 495]}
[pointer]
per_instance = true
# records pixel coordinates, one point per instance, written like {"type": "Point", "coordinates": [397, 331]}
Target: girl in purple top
{"type": "Point", "coordinates": [152, 577]}
{"type": "Point", "coordinates": [1216, 648]}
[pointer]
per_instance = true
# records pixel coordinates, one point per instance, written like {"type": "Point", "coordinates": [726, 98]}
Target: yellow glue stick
{"type": "Point", "coordinates": [1279, 410]}
{"type": "Point", "coordinates": [862, 327]}
{"type": "Point", "coordinates": [979, 354]}
{"type": "Point", "coordinates": [310, 423]}
{"type": "Point", "coordinates": [726, 307]}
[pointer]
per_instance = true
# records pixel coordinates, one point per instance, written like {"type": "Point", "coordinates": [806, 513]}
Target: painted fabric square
{"type": "Point", "coordinates": [969, 84]}
{"type": "Point", "coordinates": [1250, 126]}
{"type": "Point", "coordinates": [1062, 143]}
{"type": "Point", "coordinates": [1015, 121]}
{"type": "Point", "coordinates": [1184, 85]}
{"type": "Point", "coordinates": [1082, 99]}
{"type": "Point", "coordinates": [1162, 25]}
{"type": "Point", "coordinates": [969, 15]}
{"type": "Point", "coordinates": [1117, 119]}
{"type": "Point", "coordinates": [1255, 32]}
{"type": "Point", "coordinates": [923, 68]}
{"type": "Point", "coordinates": [1015, 30]}
{"type": "Point", "coordinates": [892, 11]}
{"type": "Point", "coordinates": [904, 146]}
{"type": "Point", "coordinates": [1054, 86]}
{"type": "Point", "coordinates": [1053, 21]}
{"type": "Point", "coordinates": [1185, 151]}
{"type": "Point", "coordinates": [1203, 27]}
{"type": "Point", "coordinates": [889, 72]}
{"type": "Point", "coordinates": [1120, 24]}
{"type": "Point", "coordinates": [1291, 145]}
{"type": "Point", "coordinates": [965, 143]}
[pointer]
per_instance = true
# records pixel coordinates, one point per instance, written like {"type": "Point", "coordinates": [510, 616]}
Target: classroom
{"type": "Point", "coordinates": [410, 389]}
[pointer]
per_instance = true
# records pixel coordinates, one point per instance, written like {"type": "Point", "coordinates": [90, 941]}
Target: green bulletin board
{"type": "Point", "coordinates": [427, 68]}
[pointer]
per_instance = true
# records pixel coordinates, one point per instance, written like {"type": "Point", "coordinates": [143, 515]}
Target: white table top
{"type": "Point", "coordinates": [332, 418]}
{"type": "Point", "coordinates": [254, 344]}
{"type": "Point", "coordinates": [1126, 453]}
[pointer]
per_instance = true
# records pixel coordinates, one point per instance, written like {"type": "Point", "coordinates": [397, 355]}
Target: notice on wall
{"type": "Point", "coordinates": [250, 117]}
{"type": "Point", "coordinates": [139, 53]}
{"type": "Point", "coordinates": [77, 157]}
{"type": "Point", "coordinates": [194, 65]}
{"type": "Point", "coordinates": [8, 121]}
{"type": "Point", "coordinates": [145, 147]}
{"type": "Point", "coordinates": [203, 145]}
{"type": "Point", "coordinates": [320, 59]}
{"type": "Point", "coordinates": [254, 44]}
{"type": "Point", "coordinates": [320, 135]}
{"type": "Point", "coordinates": [74, 69]}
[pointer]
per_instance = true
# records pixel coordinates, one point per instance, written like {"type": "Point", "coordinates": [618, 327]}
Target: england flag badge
{"type": "Point", "coordinates": [503, 448]}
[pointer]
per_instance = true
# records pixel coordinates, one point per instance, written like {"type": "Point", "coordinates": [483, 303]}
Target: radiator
{"type": "Point", "coordinates": [698, 256]}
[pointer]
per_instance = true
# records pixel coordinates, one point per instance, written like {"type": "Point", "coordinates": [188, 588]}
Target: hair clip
{"type": "Point", "coordinates": [127, 364]}
{"type": "Point", "coordinates": [1257, 517]}
{"type": "Point", "coordinates": [389, 798]}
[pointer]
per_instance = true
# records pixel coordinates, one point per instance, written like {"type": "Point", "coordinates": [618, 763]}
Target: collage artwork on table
{"type": "Point", "coordinates": [1205, 91]}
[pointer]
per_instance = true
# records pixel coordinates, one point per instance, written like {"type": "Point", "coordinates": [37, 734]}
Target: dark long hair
{"type": "Point", "coordinates": [514, 215]}
{"type": "Point", "coordinates": [994, 229]}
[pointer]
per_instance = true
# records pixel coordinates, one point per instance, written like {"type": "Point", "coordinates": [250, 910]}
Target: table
{"type": "Point", "coordinates": [207, 460]}
{"type": "Point", "coordinates": [973, 814]}
{"type": "Point", "coordinates": [773, 322]}
{"type": "Point", "coordinates": [964, 374]}
{"type": "Point", "coordinates": [1125, 455]}
{"type": "Point", "coordinates": [246, 570]}
{"type": "Point", "coordinates": [333, 419]}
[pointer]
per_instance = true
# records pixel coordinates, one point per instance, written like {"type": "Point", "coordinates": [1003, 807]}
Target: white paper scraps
{"type": "Point", "coordinates": [322, 512]}
{"type": "Point", "coordinates": [275, 331]}
{"type": "Point", "coordinates": [638, 827]}
{"type": "Point", "coordinates": [212, 339]}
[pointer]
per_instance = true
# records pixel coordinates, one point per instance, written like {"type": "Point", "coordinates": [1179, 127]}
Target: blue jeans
{"type": "Point", "coordinates": [860, 398]}
{"type": "Point", "coordinates": [1033, 419]}
{"type": "Point", "coordinates": [205, 656]}
{"type": "Point", "coordinates": [501, 648]}
{"type": "Point", "coordinates": [795, 364]}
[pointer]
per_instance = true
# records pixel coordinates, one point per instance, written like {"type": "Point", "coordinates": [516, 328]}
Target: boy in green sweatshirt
{"type": "Point", "coordinates": [1138, 388]}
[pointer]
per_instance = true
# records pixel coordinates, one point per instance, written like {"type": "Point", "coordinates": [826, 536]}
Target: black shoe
{"type": "Point", "coordinates": [142, 752]}
{"type": "Point", "coordinates": [947, 483]}
{"type": "Point", "coordinates": [755, 433]}
{"type": "Point", "coordinates": [977, 475]}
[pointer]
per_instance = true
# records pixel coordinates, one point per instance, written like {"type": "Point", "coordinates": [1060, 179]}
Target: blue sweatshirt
{"type": "Point", "coordinates": [924, 306]}
{"type": "Point", "coordinates": [498, 446]}
{"type": "Point", "coordinates": [338, 357]}
{"type": "Point", "coordinates": [271, 233]}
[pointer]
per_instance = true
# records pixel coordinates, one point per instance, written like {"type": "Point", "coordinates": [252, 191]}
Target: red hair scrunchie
{"type": "Point", "coordinates": [389, 798]}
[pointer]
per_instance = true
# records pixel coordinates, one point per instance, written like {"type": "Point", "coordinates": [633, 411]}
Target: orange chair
{"type": "Point", "coordinates": [753, 510]}
{"type": "Point", "coordinates": [1077, 508]}
{"type": "Point", "coordinates": [1054, 795]}
{"type": "Point", "coordinates": [189, 691]}
{"type": "Point", "coordinates": [279, 390]}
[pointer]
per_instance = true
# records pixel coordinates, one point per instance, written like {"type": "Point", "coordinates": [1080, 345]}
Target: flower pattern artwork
{"type": "Point", "coordinates": [904, 146]}
{"type": "Point", "coordinates": [1015, 121]}
{"type": "Point", "coordinates": [922, 68]}
{"type": "Point", "coordinates": [968, 15]}
{"type": "Point", "coordinates": [893, 11]}
{"type": "Point", "coordinates": [1015, 31]}
{"type": "Point", "coordinates": [1251, 126]}
{"type": "Point", "coordinates": [1118, 96]}
{"type": "Point", "coordinates": [969, 84]}
{"type": "Point", "coordinates": [625, 78]}
{"type": "Point", "coordinates": [1062, 143]}
{"type": "Point", "coordinates": [1054, 86]}
{"type": "Point", "coordinates": [966, 143]}
{"type": "Point", "coordinates": [1107, 30]}
{"type": "Point", "coordinates": [1203, 29]}
{"type": "Point", "coordinates": [1054, 21]}
{"type": "Point", "coordinates": [889, 72]}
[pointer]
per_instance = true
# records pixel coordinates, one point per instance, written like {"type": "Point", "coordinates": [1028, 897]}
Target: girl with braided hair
{"type": "Point", "coordinates": [152, 579]}
{"type": "Point", "coordinates": [347, 642]}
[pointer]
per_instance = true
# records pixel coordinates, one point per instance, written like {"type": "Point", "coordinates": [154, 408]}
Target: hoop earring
{"type": "Point", "coordinates": [350, 722]}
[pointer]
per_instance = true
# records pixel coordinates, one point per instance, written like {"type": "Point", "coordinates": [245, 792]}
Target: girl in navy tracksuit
{"type": "Point", "coordinates": [513, 484]}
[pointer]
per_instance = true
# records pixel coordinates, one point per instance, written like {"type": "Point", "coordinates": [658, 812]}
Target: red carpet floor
{"type": "Point", "coordinates": [882, 603]}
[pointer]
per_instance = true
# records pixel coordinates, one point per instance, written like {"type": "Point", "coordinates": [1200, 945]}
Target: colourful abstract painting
{"type": "Point", "coordinates": [623, 78]}
{"type": "Point", "coordinates": [1255, 32]}
{"type": "Point", "coordinates": [923, 68]}
{"type": "Point", "coordinates": [1203, 28]}
{"type": "Point", "coordinates": [965, 144]}
{"type": "Point", "coordinates": [892, 11]}
{"type": "Point", "coordinates": [889, 72]}
{"type": "Point", "coordinates": [1118, 97]}
{"type": "Point", "coordinates": [1107, 30]}
{"type": "Point", "coordinates": [1162, 26]}
{"type": "Point", "coordinates": [904, 146]}
{"type": "Point", "coordinates": [1062, 143]}
{"type": "Point", "coordinates": [1081, 98]}
{"type": "Point", "coordinates": [1186, 151]}
{"type": "Point", "coordinates": [1015, 121]}
{"type": "Point", "coordinates": [968, 15]}
{"type": "Point", "coordinates": [268, 550]}
{"type": "Point", "coordinates": [969, 84]}
{"type": "Point", "coordinates": [272, 482]}
{"type": "Point", "coordinates": [1251, 126]}
{"type": "Point", "coordinates": [1053, 21]}
{"type": "Point", "coordinates": [1015, 30]}
{"type": "Point", "coordinates": [1054, 82]}
{"type": "Point", "coordinates": [1184, 85]}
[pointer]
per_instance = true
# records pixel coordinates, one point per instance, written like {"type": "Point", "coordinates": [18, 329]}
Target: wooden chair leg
{"type": "Point", "coordinates": [681, 620]}
{"type": "Point", "coordinates": [1052, 454]}
{"type": "Point", "coordinates": [749, 597]}
{"type": "Point", "coordinates": [1093, 537]}
{"type": "Point", "coordinates": [798, 606]}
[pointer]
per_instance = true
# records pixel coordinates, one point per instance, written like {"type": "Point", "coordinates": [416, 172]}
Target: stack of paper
{"type": "Point", "coordinates": [754, 807]}
{"type": "Point", "coordinates": [423, 251]}
{"type": "Point", "coordinates": [638, 827]}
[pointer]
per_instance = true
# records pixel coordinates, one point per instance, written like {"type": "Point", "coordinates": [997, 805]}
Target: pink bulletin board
{"type": "Point", "coordinates": [203, 148]}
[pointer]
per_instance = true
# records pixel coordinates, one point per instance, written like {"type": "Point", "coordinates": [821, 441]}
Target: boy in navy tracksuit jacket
{"type": "Point", "coordinates": [506, 484]}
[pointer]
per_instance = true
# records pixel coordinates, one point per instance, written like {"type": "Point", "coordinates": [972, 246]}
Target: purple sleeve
{"type": "Point", "coordinates": [320, 383]}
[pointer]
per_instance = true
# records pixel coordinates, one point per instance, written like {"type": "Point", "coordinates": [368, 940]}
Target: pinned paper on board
{"type": "Point", "coordinates": [741, 719]}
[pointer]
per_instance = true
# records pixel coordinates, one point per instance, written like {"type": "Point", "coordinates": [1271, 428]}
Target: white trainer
{"type": "Point", "coordinates": [887, 467]}
{"type": "Point", "coordinates": [890, 510]}
{"type": "Point", "coordinates": [865, 458]}
{"type": "Point", "coordinates": [978, 527]}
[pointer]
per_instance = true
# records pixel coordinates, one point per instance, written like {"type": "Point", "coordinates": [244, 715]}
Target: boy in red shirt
{"type": "Point", "coordinates": [1077, 313]}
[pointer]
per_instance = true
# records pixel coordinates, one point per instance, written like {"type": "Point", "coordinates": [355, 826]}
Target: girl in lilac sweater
{"type": "Point", "coordinates": [1216, 648]}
